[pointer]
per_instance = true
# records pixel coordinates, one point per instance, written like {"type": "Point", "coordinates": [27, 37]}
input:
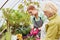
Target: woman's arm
{"type": "Point", "coordinates": [51, 32]}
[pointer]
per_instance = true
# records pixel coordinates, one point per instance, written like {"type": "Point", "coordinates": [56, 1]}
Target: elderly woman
{"type": "Point", "coordinates": [53, 26]}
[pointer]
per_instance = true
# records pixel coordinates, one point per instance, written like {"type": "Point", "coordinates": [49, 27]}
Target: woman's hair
{"type": "Point", "coordinates": [50, 6]}
{"type": "Point", "coordinates": [31, 7]}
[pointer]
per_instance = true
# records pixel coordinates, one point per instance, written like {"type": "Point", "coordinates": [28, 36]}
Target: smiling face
{"type": "Point", "coordinates": [32, 10]}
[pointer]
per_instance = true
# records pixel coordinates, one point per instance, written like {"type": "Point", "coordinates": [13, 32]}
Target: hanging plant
{"type": "Point", "coordinates": [27, 3]}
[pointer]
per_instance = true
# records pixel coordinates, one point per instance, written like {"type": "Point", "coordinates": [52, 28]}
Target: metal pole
{"type": "Point", "coordinates": [4, 4]}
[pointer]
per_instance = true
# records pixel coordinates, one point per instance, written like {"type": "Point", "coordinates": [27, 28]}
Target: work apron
{"type": "Point", "coordinates": [38, 24]}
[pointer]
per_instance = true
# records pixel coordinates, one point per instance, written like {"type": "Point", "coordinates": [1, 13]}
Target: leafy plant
{"type": "Point", "coordinates": [30, 38]}
{"type": "Point", "coordinates": [23, 30]}
{"type": "Point", "coordinates": [15, 17]}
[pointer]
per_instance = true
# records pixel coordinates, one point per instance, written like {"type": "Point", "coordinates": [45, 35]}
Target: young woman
{"type": "Point", "coordinates": [37, 18]}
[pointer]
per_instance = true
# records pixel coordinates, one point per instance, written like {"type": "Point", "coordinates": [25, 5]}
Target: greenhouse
{"type": "Point", "coordinates": [29, 19]}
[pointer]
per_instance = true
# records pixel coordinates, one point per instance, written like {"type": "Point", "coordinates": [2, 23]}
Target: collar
{"type": "Point", "coordinates": [52, 17]}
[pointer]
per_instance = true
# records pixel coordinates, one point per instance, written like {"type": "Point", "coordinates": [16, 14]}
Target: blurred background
{"type": "Point", "coordinates": [13, 4]}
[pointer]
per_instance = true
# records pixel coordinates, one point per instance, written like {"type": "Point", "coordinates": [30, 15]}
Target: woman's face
{"type": "Point", "coordinates": [33, 12]}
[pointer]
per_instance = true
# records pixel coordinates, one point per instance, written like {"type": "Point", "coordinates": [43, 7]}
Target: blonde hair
{"type": "Point", "coordinates": [50, 6]}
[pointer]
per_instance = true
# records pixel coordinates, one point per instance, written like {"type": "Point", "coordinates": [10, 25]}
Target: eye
{"type": "Point", "coordinates": [30, 12]}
